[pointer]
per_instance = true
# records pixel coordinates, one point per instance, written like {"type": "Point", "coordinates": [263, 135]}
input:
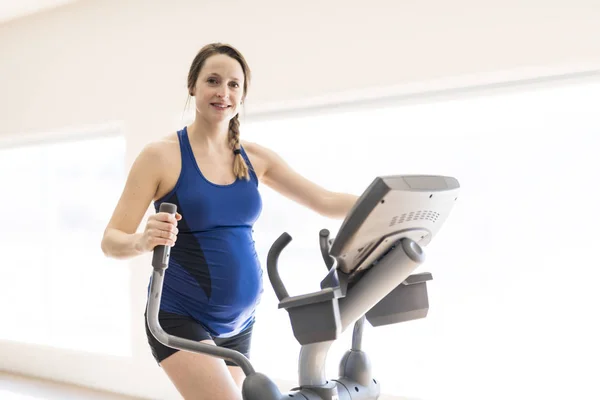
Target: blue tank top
{"type": "Point", "coordinates": [214, 272]}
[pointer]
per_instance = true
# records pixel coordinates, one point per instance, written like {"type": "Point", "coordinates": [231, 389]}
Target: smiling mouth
{"type": "Point", "coordinates": [220, 106]}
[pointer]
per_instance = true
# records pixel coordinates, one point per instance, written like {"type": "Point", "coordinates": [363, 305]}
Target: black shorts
{"type": "Point", "coordinates": [188, 328]}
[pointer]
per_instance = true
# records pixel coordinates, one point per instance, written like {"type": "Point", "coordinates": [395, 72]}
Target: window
{"type": "Point", "coordinates": [515, 272]}
{"type": "Point", "coordinates": [57, 287]}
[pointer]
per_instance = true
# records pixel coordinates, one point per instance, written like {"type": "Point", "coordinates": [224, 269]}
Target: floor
{"type": "Point", "coordinates": [16, 387]}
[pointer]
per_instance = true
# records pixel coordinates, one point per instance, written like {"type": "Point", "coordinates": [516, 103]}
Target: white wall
{"type": "Point", "coordinates": [98, 62]}
{"type": "Point", "coordinates": [16, 9]}
{"type": "Point", "coordinates": [128, 60]}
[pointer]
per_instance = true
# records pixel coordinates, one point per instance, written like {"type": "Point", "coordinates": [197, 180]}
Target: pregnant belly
{"type": "Point", "coordinates": [236, 274]}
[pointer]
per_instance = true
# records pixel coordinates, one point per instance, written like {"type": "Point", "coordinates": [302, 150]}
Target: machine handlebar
{"type": "Point", "coordinates": [161, 253]}
{"type": "Point", "coordinates": [272, 269]}
{"type": "Point", "coordinates": [324, 244]}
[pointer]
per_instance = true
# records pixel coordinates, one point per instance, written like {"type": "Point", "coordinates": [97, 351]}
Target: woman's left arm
{"type": "Point", "coordinates": [279, 176]}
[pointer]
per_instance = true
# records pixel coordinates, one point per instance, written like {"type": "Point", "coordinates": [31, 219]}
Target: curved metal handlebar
{"type": "Point", "coordinates": [272, 259]}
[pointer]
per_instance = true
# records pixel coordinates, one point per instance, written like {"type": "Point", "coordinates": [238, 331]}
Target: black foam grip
{"type": "Point", "coordinates": [168, 208]}
{"type": "Point", "coordinates": [160, 256]}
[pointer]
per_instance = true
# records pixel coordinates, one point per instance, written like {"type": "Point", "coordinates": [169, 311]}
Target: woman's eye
{"type": "Point", "coordinates": [212, 80]}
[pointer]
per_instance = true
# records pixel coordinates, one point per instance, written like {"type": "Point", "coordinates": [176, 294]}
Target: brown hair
{"type": "Point", "coordinates": [240, 168]}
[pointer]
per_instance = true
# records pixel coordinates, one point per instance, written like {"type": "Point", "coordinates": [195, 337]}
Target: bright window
{"type": "Point", "coordinates": [515, 293]}
{"type": "Point", "coordinates": [57, 288]}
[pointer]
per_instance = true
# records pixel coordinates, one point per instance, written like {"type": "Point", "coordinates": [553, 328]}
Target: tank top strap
{"type": "Point", "coordinates": [253, 175]}
{"type": "Point", "coordinates": [187, 155]}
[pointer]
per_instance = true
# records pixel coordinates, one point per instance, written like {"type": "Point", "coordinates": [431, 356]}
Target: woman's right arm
{"type": "Point", "coordinates": [120, 239]}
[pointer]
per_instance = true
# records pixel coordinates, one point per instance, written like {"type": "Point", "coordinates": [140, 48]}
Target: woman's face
{"type": "Point", "coordinates": [219, 88]}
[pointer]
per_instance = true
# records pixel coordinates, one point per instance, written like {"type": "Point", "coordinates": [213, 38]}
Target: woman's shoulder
{"type": "Point", "coordinates": [259, 156]}
{"type": "Point", "coordinates": [257, 150]}
{"type": "Point", "coordinates": [159, 162]}
{"type": "Point", "coordinates": [161, 148]}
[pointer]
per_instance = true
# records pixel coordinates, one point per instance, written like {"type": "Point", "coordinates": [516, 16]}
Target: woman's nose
{"type": "Point", "coordinates": [223, 92]}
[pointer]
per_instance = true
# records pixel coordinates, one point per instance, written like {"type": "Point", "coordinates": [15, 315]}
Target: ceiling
{"type": "Point", "coordinates": [14, 9]}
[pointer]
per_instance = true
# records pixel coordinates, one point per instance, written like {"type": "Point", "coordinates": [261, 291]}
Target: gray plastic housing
{"type": "Point", "coordinates": [394, 211]}
{"type": "Point", "coordinates": [409, 301]}
{"type": "Point", "coordinates": [315, 317]}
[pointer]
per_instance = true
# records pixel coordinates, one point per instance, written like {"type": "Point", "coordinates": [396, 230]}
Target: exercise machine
{"type": "Point", "coordinates": [370, 265]}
